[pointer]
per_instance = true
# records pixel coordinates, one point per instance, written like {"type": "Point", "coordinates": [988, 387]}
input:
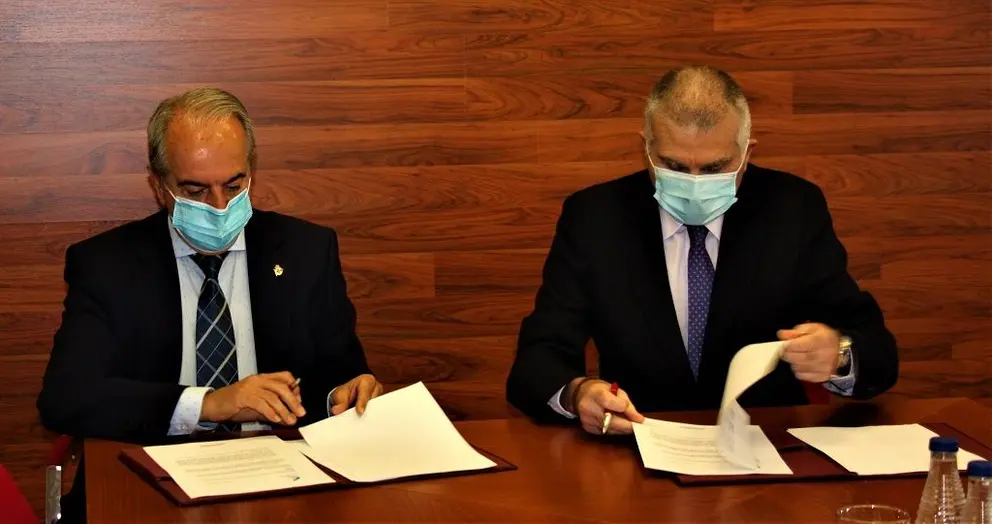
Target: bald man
{"type": "Point", "coordinates": [208, 315]}
{"type": "Point", "coordinates": [670, 271]}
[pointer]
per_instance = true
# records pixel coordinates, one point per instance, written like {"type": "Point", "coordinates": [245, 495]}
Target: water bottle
{"type": "Point", "coordinates": [978, 505]}
{"type": "Point", "coordinates": [943, 496]}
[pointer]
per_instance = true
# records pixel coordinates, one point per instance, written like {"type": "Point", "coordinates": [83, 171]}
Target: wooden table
{"type": "Point", "coordinates": [564, 476]}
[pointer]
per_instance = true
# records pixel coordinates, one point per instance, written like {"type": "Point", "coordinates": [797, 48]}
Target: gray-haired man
{"type": "Point", "coordinates": [673, 269]}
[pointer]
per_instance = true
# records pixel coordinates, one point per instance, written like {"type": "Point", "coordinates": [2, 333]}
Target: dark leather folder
{"type": "Point", "coordinates": [138, 460]}
{"type": "Point", "coordinates": [808, 463]}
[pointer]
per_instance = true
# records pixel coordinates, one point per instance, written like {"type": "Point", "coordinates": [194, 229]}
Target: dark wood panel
{"type": "Point", "coordinates": [280, 147]}
{"type": "Point", "coordinates": [892, 90]}
{"type": "Point", "coordinates": [925, 300]}
{"type": "Point", "coordinates": [901, 174]}
{"type": "Point", "coordinates": [734, 15]}
{"type": "Point", "coordinates": [884, 249]}
{"type": "Point", "coordinates": [389, 275]}
{"type": "Point", "coordinates": [604, 95]}
{"type": "Point", "coordinates": [505, 54]}
{"type": "Point", "coordinates": [826, 134]}
{"type": "Point", "coordinates": [99, 20]}
{"type": "Point", "coordinates": [45, 244]}
{"type": "Point", "coordinates": [61, 108]}
{"type": "Point", "coordinates": [503, 271]}
{"type": "Point", "coordinates": [465, 375]}
{"type": "Point", "coordinates": [344, 56]}
{"type": "Point", "coordinates": [960, 377]}
{"type": "Point", "coordinates": [457, 316]}
{"type": "Point", "coordinates": [316, 191]}
{"type": "Point", "coordinates": [447, 230]}
{"type": "Point", "coordinates": [551, 16]}
{"type": "Point", "coordinates": [28, 332]}
{"type": "Point", "coordinates": [911, 215]}
{"type": "Point", "coordinates": [937, 338]}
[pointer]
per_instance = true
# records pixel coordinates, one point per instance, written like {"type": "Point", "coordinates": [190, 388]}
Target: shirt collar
{"type": "Point", "coordinates": [670, 225]}
{"type": "Point", "coordinates": [182, 249]}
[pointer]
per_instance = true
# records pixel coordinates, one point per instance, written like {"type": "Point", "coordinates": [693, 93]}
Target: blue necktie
{"type": "Point", "coordinates": [700, 273]}
{"type": "Point", "coordinates": [216, 356]}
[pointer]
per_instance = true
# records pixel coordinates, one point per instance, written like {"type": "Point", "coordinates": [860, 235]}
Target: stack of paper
{"type": "Point", "coordinates": [734, 446]}
{"type": "Point", "coordinates": [229, 467]}
{"type": "Point", "coordinates": [877, 450]}
{"type": "Point", "coordinates": [402, 434]}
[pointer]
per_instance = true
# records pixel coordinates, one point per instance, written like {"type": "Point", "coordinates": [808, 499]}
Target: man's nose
{"type": "Point", "coordinates": [217, 198]}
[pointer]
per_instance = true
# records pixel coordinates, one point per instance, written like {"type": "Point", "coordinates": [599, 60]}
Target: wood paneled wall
{"type": "Point", "coordinates": [439, 138]}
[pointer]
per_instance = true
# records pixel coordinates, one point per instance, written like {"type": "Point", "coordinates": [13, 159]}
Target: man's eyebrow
{"type": "Point", "coordinates": [234, 178]}
{"type": "Point", "coordinates": [716, 164]}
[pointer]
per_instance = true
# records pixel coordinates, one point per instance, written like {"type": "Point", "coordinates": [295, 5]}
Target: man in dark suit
{"type": "Point", "coordinates": [671, 271]}
{"type": "Point", "coordinates": [208, 312]}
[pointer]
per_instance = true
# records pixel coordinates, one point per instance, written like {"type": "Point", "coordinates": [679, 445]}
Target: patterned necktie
{"type": "Point", "coordinates": [216, 357]}
{"type": "Point", "coordinates": [700, 273]}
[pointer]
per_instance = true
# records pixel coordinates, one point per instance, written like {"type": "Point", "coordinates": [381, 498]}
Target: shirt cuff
{"type": "Point", "coordinates": [329, 395]}
{"type": "Point", "coordinates": [555, 404]}
{"type": "Point", "coordinates": [843, 385]}
{"type": "Point", "coordinates": [186, 416]}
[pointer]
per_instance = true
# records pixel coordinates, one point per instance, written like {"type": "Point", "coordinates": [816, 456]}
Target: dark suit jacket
{"type": "Point", "coordinates": [605, 278]}
{"type": "Point", "coordinates": [114, 369]}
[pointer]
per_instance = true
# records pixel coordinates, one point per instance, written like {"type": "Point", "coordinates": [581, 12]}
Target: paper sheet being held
{"type": "Point", "coordinates": [232, 467]}
{"type": "Point", "coordinates": [749, 365]}
{"type": "Point", "coordinates": [402, 434]}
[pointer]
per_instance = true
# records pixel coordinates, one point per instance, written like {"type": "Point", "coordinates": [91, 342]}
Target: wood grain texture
{"type": "Point", "coordinates": [854, 91]}
{"type": "Point", "coordinates": [734, 15]}
{"type": "Point", "coordinates": [62, 21]}
{"type": "Point", "coordinates": [439, 138]}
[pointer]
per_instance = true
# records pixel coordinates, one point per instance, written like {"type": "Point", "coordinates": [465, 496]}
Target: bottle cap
{"type": "Point", "coordinates": [946, 444]}
{"type": "Point", "coordinates": [980, 468]}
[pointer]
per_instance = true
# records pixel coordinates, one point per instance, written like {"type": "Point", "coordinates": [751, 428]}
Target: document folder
{"type": "Point", "coordinates": [141, 463]}
{"type": "Point", "coordinates": [808, 463]}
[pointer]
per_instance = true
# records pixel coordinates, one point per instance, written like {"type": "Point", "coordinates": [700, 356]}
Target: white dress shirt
{"type": "Point", "coordinates": [233, 279]}
{"type": "Point", "coordinates": [676, 241]}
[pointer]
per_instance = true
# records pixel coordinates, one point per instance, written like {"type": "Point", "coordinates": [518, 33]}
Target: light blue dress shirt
{"type": "Point", "coordinates": [676, 241]}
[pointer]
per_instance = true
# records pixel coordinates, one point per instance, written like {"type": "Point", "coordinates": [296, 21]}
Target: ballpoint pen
{"type": "Point", "coordinates": [609, 414]}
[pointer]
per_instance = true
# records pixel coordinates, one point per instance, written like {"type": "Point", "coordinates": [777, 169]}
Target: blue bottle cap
{"type": "Point", "coordinates": [980, 468]}
{"type": "Point", "coordinates": [946, 444]}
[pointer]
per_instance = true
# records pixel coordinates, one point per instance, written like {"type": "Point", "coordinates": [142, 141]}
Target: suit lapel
{"type": "Point", "coordinates": [156, 281]}
{"type": "Point", "coordinates": [738, 256]}
{"type": "Point", "coordinates": [650, 279]}
{"type": "Point", "coordinates": [269, 286]}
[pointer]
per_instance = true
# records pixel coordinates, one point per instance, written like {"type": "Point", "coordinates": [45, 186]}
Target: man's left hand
{"type": "Point", "coordinates": [356, 392]}
{"type": "Point", "coordinates": [812, 350]}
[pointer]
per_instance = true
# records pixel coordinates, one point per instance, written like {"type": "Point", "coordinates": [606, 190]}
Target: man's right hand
{"type": "Point", "coordinates": [593, 399]}
{"type": "Point", "coordinates": [262, 398]}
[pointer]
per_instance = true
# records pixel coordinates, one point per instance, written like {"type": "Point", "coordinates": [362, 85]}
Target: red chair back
{"type": "Point", "coordinates": [16, 509]}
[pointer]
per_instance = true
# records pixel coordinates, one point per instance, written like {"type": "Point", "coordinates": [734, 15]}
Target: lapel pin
{"type": "Point", "coordinates": [277, 269]}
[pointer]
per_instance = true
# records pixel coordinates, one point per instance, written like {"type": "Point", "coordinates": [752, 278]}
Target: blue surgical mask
{"type": "Point", "coordinates": [695, 199]}
{"type": "Point", "coordinates": [207, 228]}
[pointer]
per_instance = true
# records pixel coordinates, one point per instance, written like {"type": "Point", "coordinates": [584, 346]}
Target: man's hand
{"type": "Point", "coordinates": [358, 391]}
{"type": "Point", "coordinates": [593, 399]}
{"type": "Point", "coordinates": [264, 398]}
{"type": "Point", "coordinates": [812, 350]}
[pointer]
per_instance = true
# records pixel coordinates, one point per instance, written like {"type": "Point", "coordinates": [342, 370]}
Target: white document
{"type": "Point", "coordinates": [748, 366]}
{"type": "Point", "coordinates": [231, 467]}
{"type": "Point", "coordinates": [877, 450]}
{"type": "Point", "coordinates": [692, 450]}
{"type": "Point", "coordinates": [402, 434]}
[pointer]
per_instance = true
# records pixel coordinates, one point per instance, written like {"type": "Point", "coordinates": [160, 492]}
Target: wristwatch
{"type": "Point", "coordinates": [843, 355]}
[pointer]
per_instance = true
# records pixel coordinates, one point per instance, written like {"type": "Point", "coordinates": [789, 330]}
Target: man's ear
{"type": "Point", "coordinates": [155, 183]}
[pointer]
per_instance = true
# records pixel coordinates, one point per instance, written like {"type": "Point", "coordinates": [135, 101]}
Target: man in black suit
{"type": "Point", "coordinates": [208, 313]}
{"type": "Point", "coordinates": [671, 271]}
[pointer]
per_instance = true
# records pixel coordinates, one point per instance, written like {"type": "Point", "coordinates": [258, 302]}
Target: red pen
{"type": "Point", "coordinates": [614, 388]}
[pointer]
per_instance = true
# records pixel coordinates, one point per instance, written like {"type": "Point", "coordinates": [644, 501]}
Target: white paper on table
{"type": "Point", "coordinates": [749, 365]}
{"type": "Point", "coordinates": [877, 450]}
{"type": "Point", "coordinates": [232, 467]}
{"type": "Point", "coordinates": [691, 449]}
{"type": "Point", "coordinates": [401, 434]}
